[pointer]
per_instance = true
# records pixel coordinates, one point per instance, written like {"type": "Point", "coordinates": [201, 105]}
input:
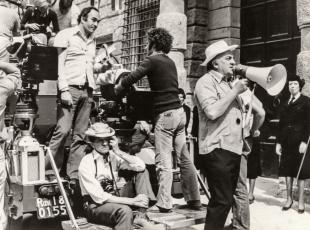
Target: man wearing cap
{"type": "Point", "coordinates": [98, 183]}
{"type": "Point", "coordinates": [220, 131]}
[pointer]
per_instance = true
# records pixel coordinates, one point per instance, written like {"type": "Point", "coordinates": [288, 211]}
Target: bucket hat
{"type": "Point", "coordinates": [215, 49]}
{"type": "Point", "coordinates": [100, 130]}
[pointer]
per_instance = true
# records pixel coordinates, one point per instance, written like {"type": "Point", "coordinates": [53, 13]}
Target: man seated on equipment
{"type": "Point", "coordinates": [37, 20]}
{"type": "Point", "coordinates": [103, 203]}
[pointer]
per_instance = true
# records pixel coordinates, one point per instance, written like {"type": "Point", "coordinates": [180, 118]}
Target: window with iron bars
{"type": "Point", "coordinates": [139, 17]}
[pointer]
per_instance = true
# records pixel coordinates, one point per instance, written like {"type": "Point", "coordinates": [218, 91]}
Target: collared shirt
{"type": "Point", "coordinates": [225, 132]}
{"type": "Point", "coordinates": [90, 175]}
{"type": "Point", "coordinates": [79, 58]}
{"type": "Point", "coordinates": [295, 98]}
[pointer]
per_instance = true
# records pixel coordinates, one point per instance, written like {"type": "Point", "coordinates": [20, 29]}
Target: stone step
{"type": "Point", "coordinates": [180, 218]}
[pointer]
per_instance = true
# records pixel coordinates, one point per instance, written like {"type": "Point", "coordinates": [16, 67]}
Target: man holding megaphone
{"type": "Point", "coordinates": [222, 130]}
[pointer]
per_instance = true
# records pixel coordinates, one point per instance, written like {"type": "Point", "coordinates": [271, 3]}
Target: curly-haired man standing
{"type": "Point", "coordinates": [169, 117]}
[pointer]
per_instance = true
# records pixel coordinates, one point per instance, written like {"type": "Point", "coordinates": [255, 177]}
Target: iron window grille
{"type": "Point", "coordinates": [139, 17]}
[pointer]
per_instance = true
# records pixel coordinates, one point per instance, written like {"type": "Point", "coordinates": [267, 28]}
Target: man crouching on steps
{"type": "Point", "coordinates": [101, 204]}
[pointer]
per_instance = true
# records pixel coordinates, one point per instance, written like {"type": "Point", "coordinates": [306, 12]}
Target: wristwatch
{"type": "Point", "coordinates": [256, 133]}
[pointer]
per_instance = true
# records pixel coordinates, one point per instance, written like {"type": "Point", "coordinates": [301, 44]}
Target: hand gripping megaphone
{"type": "Point", "coordinates": [272, 79]}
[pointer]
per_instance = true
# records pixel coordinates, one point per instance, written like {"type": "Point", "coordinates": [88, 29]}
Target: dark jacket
{"type": "Point", "coordinates": [294, 125]}
{"type": "Point", "coordinates": [33, 15]}
{"type": "Point", "coordinates": [163, 79]}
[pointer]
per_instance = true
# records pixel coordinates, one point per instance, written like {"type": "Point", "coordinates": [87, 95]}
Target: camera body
{"type": "Point", "coordinates": [107, 185]}
{"type": "Point", "coordinates": [133, 105]}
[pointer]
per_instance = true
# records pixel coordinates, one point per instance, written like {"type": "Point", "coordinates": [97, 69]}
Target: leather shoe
{"type": "Point", "coordinates": [301, 211]}
{"type": "Point", "coordinates": [251, 201]}
{"type": "Point", "coordinates": [194, 205]}
{"type": "Point", "coordinates": [287, 208]}
{"type": "Point", "coordinates": [158, 209]}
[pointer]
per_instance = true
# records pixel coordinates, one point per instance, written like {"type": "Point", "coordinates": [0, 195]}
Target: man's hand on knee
{"type": "Point", "coordinates": [141, 200]}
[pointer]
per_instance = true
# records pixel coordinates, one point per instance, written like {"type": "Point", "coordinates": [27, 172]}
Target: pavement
{"type": "Point", "coordinates": [266, 213]}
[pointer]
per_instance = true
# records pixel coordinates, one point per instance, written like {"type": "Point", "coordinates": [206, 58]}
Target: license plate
{"type": "Point", "coordinates": [51, 207]}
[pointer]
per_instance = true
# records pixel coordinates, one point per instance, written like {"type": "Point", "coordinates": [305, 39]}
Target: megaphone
{"type": "Point", "coordinates": [272, 79]}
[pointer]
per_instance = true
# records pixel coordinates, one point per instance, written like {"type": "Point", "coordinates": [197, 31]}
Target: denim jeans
{"type": "Point", "coordinates": [169, 136]}
{"type": "Point", "coordinates": [77, 118]}
{"type": "Point", "coordinates": [138, 184]}
{"type": "Point", "coordinates": [240, 208]}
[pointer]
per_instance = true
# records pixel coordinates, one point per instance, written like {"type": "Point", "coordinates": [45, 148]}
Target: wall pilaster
{"type": "Point", "coordinates": [303, 58]}
{"type": "Point", "coordinates": [171, 17]}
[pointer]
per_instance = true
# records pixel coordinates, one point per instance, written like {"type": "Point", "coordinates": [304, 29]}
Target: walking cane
{"type": "Point", "coordinates": [302, 160]}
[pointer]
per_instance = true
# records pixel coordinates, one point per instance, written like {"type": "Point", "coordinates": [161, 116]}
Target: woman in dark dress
{"type": "Point", "coordinates": [254, 167]}
{"type": "Point", "coordinates": [293, 134]}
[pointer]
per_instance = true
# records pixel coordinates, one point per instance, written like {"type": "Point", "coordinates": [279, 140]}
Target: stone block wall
{"type": "Point", "coordinates": [110, 26]}
{"type": "Point", "coordinates": [303, 58]}
{"type": "Point", "coordinates": [224, 22]}
{"type": "Point", "coordinates": [197, 39]}
{"type": "Point", "coordinates": [209, 21]}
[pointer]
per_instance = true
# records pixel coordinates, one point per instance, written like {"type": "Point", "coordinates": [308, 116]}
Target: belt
{"type": "Point", "coordinates": [85, 86]}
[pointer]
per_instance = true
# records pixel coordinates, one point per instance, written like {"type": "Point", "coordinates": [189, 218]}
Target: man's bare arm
{"type": "Point", "coordinates": [258, 113]}
{"type": "Point", "coordinates": [9, 68]}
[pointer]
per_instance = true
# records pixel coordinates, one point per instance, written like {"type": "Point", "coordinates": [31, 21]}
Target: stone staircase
{"type": "Point", "coordinates": [180, 218]}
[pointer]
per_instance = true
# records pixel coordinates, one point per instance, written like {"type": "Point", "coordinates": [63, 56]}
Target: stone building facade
{"type": "Point", "coordinates": [206, 21]}
{"type": "Point", "coordinates": [268, 32]}
{"type": "Point", "coordinates": [193, 23]}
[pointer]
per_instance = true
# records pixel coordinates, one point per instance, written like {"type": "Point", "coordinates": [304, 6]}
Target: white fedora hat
{"type": "Point", "coordinates": [100, 130]}
{"type": "Point", "coordinates": [215, 49]}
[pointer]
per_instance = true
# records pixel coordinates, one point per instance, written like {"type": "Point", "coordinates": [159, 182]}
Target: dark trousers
{"type": "Point", "coordinates": [75, 117]}
{"type": "Point", "coordinates": [117, 216]}
{"type": "Point", "coordinates": [222, 171]}
{"type": "Point", "coordinates": [120, 216]}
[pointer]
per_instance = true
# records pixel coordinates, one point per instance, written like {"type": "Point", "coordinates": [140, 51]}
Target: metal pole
{"type": "Point", "coordinates": [302, 160]}
{"type": "Point", "coordinates": [62, 190]}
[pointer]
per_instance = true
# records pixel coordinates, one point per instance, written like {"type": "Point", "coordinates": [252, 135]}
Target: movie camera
{"type": "Point", "coordinates": [36, 63]}
{"type": "Point", "coordinates": [28, 189]}
{"type": "Point", "coordinates": [123, 111]}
